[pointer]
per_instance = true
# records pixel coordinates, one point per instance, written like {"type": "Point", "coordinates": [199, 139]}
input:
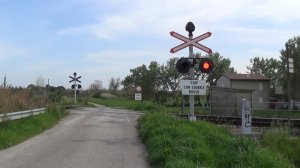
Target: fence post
{"type": "Point", "coordinates": [246, 117]}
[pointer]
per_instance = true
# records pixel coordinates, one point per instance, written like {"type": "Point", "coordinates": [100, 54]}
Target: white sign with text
{"type": "Point", "coordinates": [193, 87]}
{"type": "Point", "coordinates": [138, 96]}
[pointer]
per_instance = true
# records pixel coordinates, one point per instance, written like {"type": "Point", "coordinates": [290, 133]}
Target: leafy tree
{"type": "Point", "coordinates": [269, 68]}
{"type": "Point", "coordinates": [55, 93]}
{"type": "Point", "coordinates": [170, 77]}
{"type": "Point", "coordinates": [292, 50]}
{"type": "Point", "coordinates": [154, 72]}
{"type": "Point", "coordinates": [114, 84]}
{"type": "Point", "coordinates": [221, 66]}
{"type": "Point", "coordinates": [147, 78]}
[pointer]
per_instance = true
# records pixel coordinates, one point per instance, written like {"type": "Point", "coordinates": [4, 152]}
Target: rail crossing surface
{"type": "Point", "coordinates": [88, 138]}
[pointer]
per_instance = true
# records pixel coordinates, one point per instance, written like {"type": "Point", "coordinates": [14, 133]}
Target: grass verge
{"type": "Point", "coordinates": [277, 113]}
{"type": "Point", "coordinates": [285, 144]}
{"type": "Point", "coordinates": [15, 131]}
{"type": "Point", "coordinates": [128, 104]}
{"type": "Point", "coordinates": [172, 143]}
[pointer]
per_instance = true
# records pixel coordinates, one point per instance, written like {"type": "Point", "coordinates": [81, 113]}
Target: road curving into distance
{"type": "Point", "coordinates": [98, 137]}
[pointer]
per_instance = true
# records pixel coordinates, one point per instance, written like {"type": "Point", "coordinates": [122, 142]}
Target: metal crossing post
{"type": "Point", "coordinates": [184, 65]}
{"type": "Point", "coordinates": [75, 86]}
{"type": "Point", "coordinates": [246, 117]}
{"type": "Point", "coordinates": [190, 27]}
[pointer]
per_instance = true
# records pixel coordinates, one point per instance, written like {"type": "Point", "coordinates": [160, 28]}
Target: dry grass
{"type": "Point", "coordinates": [12, 99]}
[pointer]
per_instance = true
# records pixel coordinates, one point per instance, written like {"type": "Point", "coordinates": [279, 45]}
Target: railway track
{"type": "Point", "coordinates": [256, 121]}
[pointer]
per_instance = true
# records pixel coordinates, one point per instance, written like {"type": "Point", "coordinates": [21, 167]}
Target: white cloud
{"type": "Point", "coordinates": [259, 52]}
{"type": "Point", "coordinates": [162, 16]}
{"type": "Point", "coordinates": [117, 63]}
{"type": "Point", "coordinates": [149, 16]}
{"type": "Point", "coordinates": [9, 52]}
{"type": "Point", "coordinates": [258, 36]}
{"type": "Point", "coordinates": [279, 11]}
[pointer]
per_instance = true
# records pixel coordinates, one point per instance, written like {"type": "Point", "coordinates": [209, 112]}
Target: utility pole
{"type": "Point", "coordinates": [288, 76]}
{"type": "Point", "coordinates": [4, 82]}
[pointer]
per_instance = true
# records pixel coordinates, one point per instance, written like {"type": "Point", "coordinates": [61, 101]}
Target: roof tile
{"type": "Point", "coordinates": [246, 77]}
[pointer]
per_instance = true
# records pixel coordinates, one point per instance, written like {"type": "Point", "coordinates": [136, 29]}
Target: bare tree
{"type": "Point", "coordinates": [40, 81]}
{"type": "Point", "coordinates": [95, 88]}
{"type": "Point", "coordinates": [96, 85]}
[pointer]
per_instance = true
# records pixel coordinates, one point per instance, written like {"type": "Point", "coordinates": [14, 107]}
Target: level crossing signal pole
{"type": "Point", "coordinates": [190, 27]}
{"type": "Point", "coordinates": [75, 86]}
{"type": "Point", "coordinates": [185, 65]}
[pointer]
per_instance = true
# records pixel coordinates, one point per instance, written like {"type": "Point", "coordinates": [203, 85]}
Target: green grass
{"type": "Point", "coordinates": [15, 131]}
{"type": "Point", "coordinates": [174, 143]}
{"type": "Point", "coordinates": [128, 104]}
{"type": "Point", "coordinates": [285, 144]}
{"type": "Point", "coordinates": [145, 106]}
{"type": "Point", "coordinates": [115, 102]}
{"type": "Point", "coordinates": [276, 113]}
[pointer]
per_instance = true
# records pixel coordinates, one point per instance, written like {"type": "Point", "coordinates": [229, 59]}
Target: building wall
{"type": "Point", "coordinates": [223, 82]}
{"type": "Point", "coordinates": [260, 93]}
{"type": "Point", "coordinates": [227, 101]}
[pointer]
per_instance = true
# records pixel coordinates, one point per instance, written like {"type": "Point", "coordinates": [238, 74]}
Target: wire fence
{"type": "Point", "coordinates": [259, 109]}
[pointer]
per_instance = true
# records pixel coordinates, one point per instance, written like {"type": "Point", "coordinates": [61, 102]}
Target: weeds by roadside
{"type": "Point", "coordinates": [174, 143]}
{"type": "Point", "coordinates": [16, 131]}
{"type": "Point", "coordinates": [281, 141]}
{"type": "Point", "coordinates": [14, 99]}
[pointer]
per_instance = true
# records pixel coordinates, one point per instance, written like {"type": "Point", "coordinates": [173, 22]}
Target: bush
{"type": "Point", "coordinates": [167, 98]}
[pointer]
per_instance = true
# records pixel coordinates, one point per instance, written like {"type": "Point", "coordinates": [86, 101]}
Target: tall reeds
{"type": "Point", "coordinates": [18, 99]}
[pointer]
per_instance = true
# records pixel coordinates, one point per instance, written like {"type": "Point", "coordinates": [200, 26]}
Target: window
{"type": "Point", "coordinates": [260, 100]}
{"type": "Point", "coordinates": [260, 86]}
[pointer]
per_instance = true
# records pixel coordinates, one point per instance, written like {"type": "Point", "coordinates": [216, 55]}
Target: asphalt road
{"type": "Point", "coordinates": [88, 138]}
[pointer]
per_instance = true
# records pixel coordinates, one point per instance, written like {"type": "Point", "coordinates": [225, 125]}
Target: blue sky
{"type": "Point", "coordinates": [100, 39]}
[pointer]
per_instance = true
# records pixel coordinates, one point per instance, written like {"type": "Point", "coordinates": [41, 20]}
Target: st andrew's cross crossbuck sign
{"type": "Point", "coordinates": [188, 42]}
{"type": "Point", "coordinates": [75, 79]}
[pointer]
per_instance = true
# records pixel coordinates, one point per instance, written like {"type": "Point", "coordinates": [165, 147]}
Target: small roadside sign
{"type": "Point", "coordinates": [138, 89]}
{"type": "Point", "coordinates": [193, 87]}
{"type": "Point", "coordinates": [138, 96]}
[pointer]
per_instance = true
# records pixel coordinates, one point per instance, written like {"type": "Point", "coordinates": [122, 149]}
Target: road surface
{"type": "Point", "coordinates": [88, 138]}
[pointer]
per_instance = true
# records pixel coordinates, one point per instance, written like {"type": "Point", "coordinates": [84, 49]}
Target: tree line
{"type": "Point", "coordinates": [164, 77]}
{"type": "Point", "coordinates": [276, 69]}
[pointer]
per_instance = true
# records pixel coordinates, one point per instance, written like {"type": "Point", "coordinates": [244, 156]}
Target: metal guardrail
{"type": "Point", "coordinates": [21, 114]}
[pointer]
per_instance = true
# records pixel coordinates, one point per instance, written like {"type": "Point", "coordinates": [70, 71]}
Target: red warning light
{"type": "Point", "coordinates": [205, 65]}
